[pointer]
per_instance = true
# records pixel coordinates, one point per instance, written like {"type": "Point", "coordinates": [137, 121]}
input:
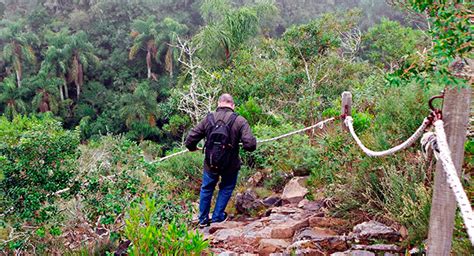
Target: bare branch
{"type": "Point", "coordinates": [200, 97]}
{"type": "Point", "coordinates": [350, 43]}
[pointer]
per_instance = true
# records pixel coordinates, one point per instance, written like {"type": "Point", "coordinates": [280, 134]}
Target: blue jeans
{"type": "Point", "coordinates": [226, 187]}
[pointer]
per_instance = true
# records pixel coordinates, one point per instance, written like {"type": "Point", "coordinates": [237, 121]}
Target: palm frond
{"type": "Point", "coordinates": [133, 51]}
{"type": "Point", "coordinates": [8, 52]}
{"type": "Point", "coordinates": [29, 54]}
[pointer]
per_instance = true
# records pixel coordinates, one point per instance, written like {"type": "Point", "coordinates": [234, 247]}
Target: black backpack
{"type": "Point", "coordinates": [218, 147]}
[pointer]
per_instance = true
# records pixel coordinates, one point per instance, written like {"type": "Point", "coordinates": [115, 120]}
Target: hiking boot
{"type": "Point", "coordinates": [204, 224]}
{"type": "Point", "coordinates": [224, 220]}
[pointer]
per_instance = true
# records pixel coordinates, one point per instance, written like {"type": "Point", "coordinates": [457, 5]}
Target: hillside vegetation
{"type": "Point", "coordinates": [92, 91]}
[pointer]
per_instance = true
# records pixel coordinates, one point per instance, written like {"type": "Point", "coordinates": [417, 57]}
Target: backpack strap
{"type": "Point", "coordinates": [212, 123]}
{"type": "Point", "coordinates": [210, 119]}
{"type": "Point", "coordinates": [231, 121]}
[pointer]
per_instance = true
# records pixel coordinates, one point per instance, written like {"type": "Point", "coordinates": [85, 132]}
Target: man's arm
{"type": "Point", "coordinates": [195, 135]}
{"type": "Point", "coordinates": [249, 142]}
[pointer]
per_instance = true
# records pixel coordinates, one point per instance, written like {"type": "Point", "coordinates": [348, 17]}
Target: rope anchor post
{"type": "Point", "coordinates": [346, 108]}
{"type": "Point", "coordinates": [443, 207]}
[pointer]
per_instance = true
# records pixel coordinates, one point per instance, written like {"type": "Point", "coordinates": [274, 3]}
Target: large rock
{"type": "Point", "coordinates": [265, 232]}
{"type": "Point", "coordinates": [312, 206]}
{"type": "Point", "coordinates": [377, 247]}
{"type": "Point", "coordinates": [256, 230]}
{"type": "Point", "coordinates": [325, 244]}
{"type": "Point", "coordinates": [224, 234]}
{"type": "Point", "coordinates": [285, 210]}
{"type": "Point", "coordinates": [268, 246]}
{"type": "Point", "coordinates": [224, 225]}
{"type": "Point", "coordinates": [274, 200]}
{"type": "Point", "coordinates": [307, 252]}
{"type": "Point", "coordinates": [294, 190]}
{"type": "Point", "coordinates": [287, 229]}
{"type": "Point", "coordinates": [326, 222]}
{"type": "Point", "coordinates": [248, 202]}
{"type": "Point", "coordinates": [313, 233]}
{"type": "Point", "coordinates": [354, 253]}
{"type": "Point", "coordinates": [255, 179]}
{"type": "Point", "coordinates": [375, 230]}
{"type": "Point", "coordinates": [228, 253]}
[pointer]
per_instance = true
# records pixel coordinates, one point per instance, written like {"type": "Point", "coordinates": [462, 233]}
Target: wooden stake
{"type": "Point", "coordinates": [346, 108]}
{"type": "Point", "coordinates": [443, 207]}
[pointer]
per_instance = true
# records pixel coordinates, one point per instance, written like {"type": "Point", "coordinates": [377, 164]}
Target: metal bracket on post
{"type": "Point", "coordinates": [346, 108]}
{"type": "Point", "coordinates": [436, 113]}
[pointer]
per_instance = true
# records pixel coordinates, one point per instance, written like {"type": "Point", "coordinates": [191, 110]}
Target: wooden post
{"type": "Point", "coordinates": [443, 207]}
{"type": "Point", "coordinates": [346, 108]}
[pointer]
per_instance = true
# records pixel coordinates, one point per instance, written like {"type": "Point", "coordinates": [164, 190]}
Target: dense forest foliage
{"type": "Point", "coordinates": [92, 90]}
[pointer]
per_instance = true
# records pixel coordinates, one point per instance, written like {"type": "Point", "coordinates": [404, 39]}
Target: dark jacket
{"type": "Point", "coordinates": [240, 132]}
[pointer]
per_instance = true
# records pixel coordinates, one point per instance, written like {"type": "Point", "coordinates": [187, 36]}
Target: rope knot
{"type": "Point", "coordinates": [428, 144]}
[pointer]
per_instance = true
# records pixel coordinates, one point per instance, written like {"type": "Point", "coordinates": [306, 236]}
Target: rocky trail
{"type": "Point", "coordinates": [292, 225]}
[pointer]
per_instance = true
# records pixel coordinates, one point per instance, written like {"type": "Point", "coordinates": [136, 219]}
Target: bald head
{"type": "Point", "coordinates": [226, 100]}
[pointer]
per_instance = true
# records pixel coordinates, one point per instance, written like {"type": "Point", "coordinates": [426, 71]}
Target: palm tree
{"type": "Point", "coordinates": [145, 36]}
{"type": "Point", "coordinates": [156, 38]}
{"type": "Point", "coordinates": [11, 98]}
{"type": "Point", "coordinates": [81, 54]}
{"type": "Point", "coordinates": [227, 28]}
{"type": "Point", "coordinates": [56, 59]}
{"type": "Point", "coordinates": [45, 98]}
{"type": "Point", "coordinates": [140, 106]}
{"type": "Point", "coordinates": [17, 46]}
{"type": "Point", "coordinates": [170, 29]}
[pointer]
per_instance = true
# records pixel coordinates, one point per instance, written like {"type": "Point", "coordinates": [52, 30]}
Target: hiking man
{"type": "Point", "coordinates": [223, 130]}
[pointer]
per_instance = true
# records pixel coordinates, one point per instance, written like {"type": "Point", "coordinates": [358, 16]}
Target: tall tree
{"type": "Point", "coordinates": [81, 52]}
{"type": "Point", "coordinates": [56, 59]}
{"type": "Point", "coordinates": [11, 98]}
{"type": "Point", "coordinates": [141, 105]}
{"type": "Point", "coordinates": [227, 28]}
{"type": "Point", "coordinates": [17, 48]}
{"type": "Point", "coordinates": [45, 89]}
{"type": "Point", "coordinates": [156, 38]}
{"type": "Point", "coordinates": [145, 37]}
{"type": "Point", "coordinates": [170, 29]}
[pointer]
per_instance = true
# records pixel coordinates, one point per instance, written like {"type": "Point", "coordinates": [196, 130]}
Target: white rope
{"type": "Point", "coordinates": [319, 125]}
{"type": "Point", "coordinates": [349, 123]}
{"type": "Point", "coordinates": [172, 155]}
{"type": "Point", "coordinates": [452, 178]}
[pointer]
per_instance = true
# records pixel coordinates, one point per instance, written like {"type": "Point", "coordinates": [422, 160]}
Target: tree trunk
{"type": "Point", "coordinates": [18, 78]}
{"type": "Point", "coordinates": [148, 64]}
{"type": "Point", "coordinates": [61, 94]}
{"type": "Point", "coordinates": [66, 93]}
{"type": "Point", "coordinates": [169, 61]}
{"type": "Point", "coordinates": [80, 79]}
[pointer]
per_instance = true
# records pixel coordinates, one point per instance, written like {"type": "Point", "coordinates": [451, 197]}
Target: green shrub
{"type": "Point", "coordinates": [253, 113]}
{"type": "Point", "coordinates": [179, 174]}
{"type": "Point", "coordinates": [383, 47]}
{"type": "Point", "coordinates": [112, 174]}
{"type": "Point", "coordinates": [281, 156]}
{"type": "Point", "coordinates": [317, 37]}
{"type": "Point", "coordinates": [393, 189]}
{"type": "Point", "coordinates": [38, 159]}
{"type": "Point", "coordinates": [334, 157]}
{"type": "Point", "coordinates": [177, 125]}
{"type": "Point", "coordinates": [150, 235]}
